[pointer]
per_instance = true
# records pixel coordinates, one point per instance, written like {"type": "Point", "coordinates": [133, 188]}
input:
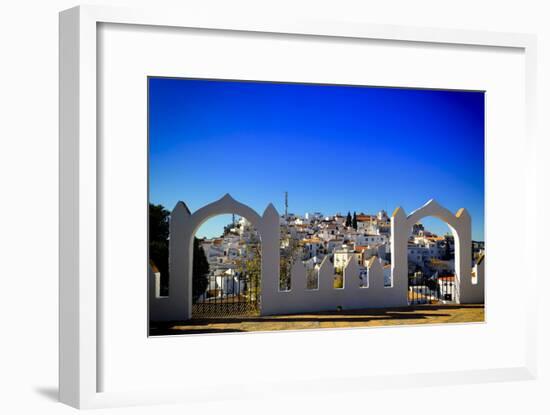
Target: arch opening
{"type": "Point", "coordinates": [431, 263]}
{"type": "Point", "coordinates": [226, 267]}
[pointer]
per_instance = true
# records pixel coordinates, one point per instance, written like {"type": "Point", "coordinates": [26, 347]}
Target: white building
{"type": "Point", "coordinates": [333, 244]}
{"type": "Point", "coordinates": [422, 255]}
{"type": "Point", "coordinates": [342, 256]}
{"type": "Point", "coordinates": [364, 221]}
{"type": "Point", "coordinates": [370, 239]}
{"type": "Point", "coordinates": [313, 247]}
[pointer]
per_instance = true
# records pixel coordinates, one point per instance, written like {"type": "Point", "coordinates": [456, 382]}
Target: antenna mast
{"type": "Point", "coordinates": [286, 205]}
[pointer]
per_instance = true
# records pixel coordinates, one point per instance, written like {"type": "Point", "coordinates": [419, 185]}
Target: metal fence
{"type": "Point", "coordinates": [228, 296]}
{"type": "Point", "coordinates": [239, 295]}
{"type": "Point", "coordinates": [432, 290]}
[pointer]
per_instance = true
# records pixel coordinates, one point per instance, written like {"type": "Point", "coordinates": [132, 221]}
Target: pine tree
{"type": "Point", "coordinates": [354, 221]}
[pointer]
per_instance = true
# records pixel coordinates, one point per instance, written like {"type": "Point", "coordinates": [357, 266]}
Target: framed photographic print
{"type": "Point", "coordinates": [261, 141]}
{"type": "Point", "coordinates": [231, 188]}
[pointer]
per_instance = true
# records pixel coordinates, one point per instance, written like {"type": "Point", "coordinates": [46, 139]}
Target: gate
{"type": "Point", "coordinates": [432, 290]}
{"type": "Point", "coordinates": [231, 295]}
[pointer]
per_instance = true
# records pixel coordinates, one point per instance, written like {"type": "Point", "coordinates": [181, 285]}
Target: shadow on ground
{"type": "Point", "coordinates": [347, 318]}
{"type": "Point", "coordinates": [50, 393]}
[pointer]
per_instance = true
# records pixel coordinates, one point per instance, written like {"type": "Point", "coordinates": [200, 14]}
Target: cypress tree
{"type": "Point", "coordinates": [200, 270]}
{"type": "Point", "coordinates": [348, 219]}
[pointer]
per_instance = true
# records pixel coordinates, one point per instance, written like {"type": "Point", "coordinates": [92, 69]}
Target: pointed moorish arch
{"type": "Point", "coordinates": [184, 225]}
{"type": "Point", "coordinates": [225, 205]}
{"type": "Point", "coordinates": [461, 227]}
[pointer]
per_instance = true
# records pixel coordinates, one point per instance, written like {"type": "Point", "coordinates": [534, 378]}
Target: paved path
{"type": "Point", "coordinates": [420, 314]}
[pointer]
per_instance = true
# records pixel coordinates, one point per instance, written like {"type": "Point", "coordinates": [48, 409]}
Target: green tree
{"type": "Point", "coordinates": [288, 255]}
{"type": "Point", "coordinates": [159, 229]}
{"type": "Point", "coordinates": [158, 242]}
{"type": "Point", "coordinates": [251, 267]}
{"type": "Point", "coordinates": [354, 221]}
{"type": "Point", "coordinates": [447, 255]}
{"type": "Point", "coordinates": [201, 269]}
{"type": "Point", "coordinates": [348, 220]}
{"type": "Point", "coordinates": [159, 220]}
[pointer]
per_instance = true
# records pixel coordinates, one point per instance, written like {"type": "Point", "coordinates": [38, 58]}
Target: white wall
{"type": "Point", "coordinates": [28, 167]}
{"type": "Point", "coordinates": [326, 298]}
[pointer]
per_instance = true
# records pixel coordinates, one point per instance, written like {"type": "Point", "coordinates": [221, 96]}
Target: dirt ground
{"type": "Point", "coordinates": [419, 314]}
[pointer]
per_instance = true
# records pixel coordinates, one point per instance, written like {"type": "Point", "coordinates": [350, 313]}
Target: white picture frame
{"type": "Point", "coordinates": [80, 167]}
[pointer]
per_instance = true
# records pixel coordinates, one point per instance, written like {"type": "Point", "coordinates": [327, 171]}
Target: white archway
{"type": "Point", "coordinates": [461, 226]}
{"type": "Point", "coordinates": [184, 225]}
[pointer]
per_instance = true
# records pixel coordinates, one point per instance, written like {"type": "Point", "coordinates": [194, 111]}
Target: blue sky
{"type": "Point", "coordinates": [333, 148]}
